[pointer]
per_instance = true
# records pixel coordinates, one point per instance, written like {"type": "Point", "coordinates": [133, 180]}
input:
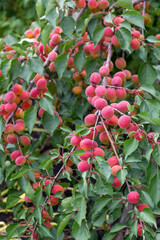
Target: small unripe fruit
{"type": "Point", "coordinates": [86, 144]}
{"type": "Point", "coordinates": [15, 154]}
{"type": "Point", "coordinates": [117, 183]}
{"type": "Point", "coordinates": [135, 44]}
{"type": "Point", "coordinates": [77, 77]}
{"type": "Point", "coordinates": [98, 151]}
{"type": "Point", "coordinates": [118, 20]}
{"type": "Point", "coordinates": [142, 206]}
{"type": "Point", "coordinates": [34, 93]}
{"type": "Point", "coordinates": [25, 140]}
{"type": "Point", "coordinates": [90, 91]}
{"type": "Point", "coordinates": [134, 79]}
{"type": "Point", "coordinates": [93, 100]}
{"type": "Point", "coordinates": [57, 188]}
{"type": "Point", "coordinates": [90, 119]}
{"type": "Point", "coordinates": [52, 67]}
{"type": "Point", "coordinates": [100, 91]}
{"type": "Point", "coordinates": [115, 169]}
{"type": "Point", "coordinates": [95, 78]}
{"type": "Point", "coordinates": [52, 56]}
{"type": "Point", "coordinates": [83, 166]}
{"type": "Point", "coordinates": [123, 106]}
{"type": "Point", "coordinates": [112, 161]}
{"type": "Point", "coordinates": [9, 97]}
{"type": "Point", "coordinates": [104, 71]}
{"type": "Point", "coordinates": [12, 138]}
{"type": "Point", "coordinates": [77, 90]}
{"type": "Point", "coordinates": [41, 84]}
{"type": "Point", "coordinates": [124, 121]}
{"type": "Point", "coordinates": [53, 200]}
{"type": "Point", "coordinates": [20, 160]}
{"type": "Point", "coordinates": [116, 81]}
{"type": "Point", "coordinates": [120, 63]}
{"type": "Point", "coordinates": [75, 140]}
{"type": "Point", "coordinates": [139, 135]}
{"type": "Point", "coordinates": [133, 197]}
{"type": "Point", "coordinates": [107, 112]}
{"type": "Point", "coordinates": [9, 128]}
{"type": "Point", "coordinates": [100, 103]}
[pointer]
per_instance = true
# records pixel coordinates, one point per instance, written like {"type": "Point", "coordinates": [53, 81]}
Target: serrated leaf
{"type": "Point", "coordinates": [124, 37]}
{"type": "Point", "coordinates": [10, 40]}
{"type": "Point", "coordinates": [63, 223]}
{"type": "Point", "coordinates": [147, 74]}
{"type": "Point", "coordinates": [52, 17]}
{"type": "Point", "coordinates": [39, 8]}
{"type": "Point", "coordinates": [46, 104]}
{"type": "Point", "coordinates": [61, 63]}
{"type": "Point", "coordinates": [117, 227]}
{"type": "Point", "coordinates": [45, 231]}
{"type": "Point", "coordinates": [156, 154]}
{"type": "Point", "coordinates": [81, 212]}
{"type": "Point", "coordinates": [12, 200]}
{"type": "Point", "coordinates": [97, 35]}
{"type": "Point", "coordinates": [68, 25]}
{"type": "Point", "coordinates": [147, 216]}
{"type": "Point", "coordinates": [79, 60]}
{"type": "Point", "coordinates": [45, 34]}
{"type": "Point", "coordinates": [125, 4]}
{"type": "Point", "coordinates": [130, 146]}
{"type": "Point", "coordinates": [81, 232]}
{"type": "Point", "coordinates": [22, 171]}
{"type": "Point", "coordinates": [134, 17]}
{"type": "Point", "coordinates": [30, 117]}
{"type": "Point", "coordinates": [36, 64]}
{"type": "Point", "coordinates": [49, 122]}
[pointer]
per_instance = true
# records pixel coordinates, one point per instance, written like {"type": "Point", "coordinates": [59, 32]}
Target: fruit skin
{"type": "Point", "coordinates": [139, 135]}
{"type": "Point", "coordinates": [92, 4]}
{"type": "Point", "coordinates": [52, 56]}
{"type": "Point", "coordinates": [20, 160]}
{"type": "Point", "coordinates": [104, 71]}
{"type": "Point", "coordinates": [107, 112]}
{"type": "Point", "coordinates": [100, 103]}
{"type": "Point", "coordinates": [121, 93]}
{"type": "Point", "coordinates": [10, 107]}
{"type": "Point", "coordinates": [34, 93]}
{"type": "Point", "coordinates": [100, 91]}
{"type": "Point", "coordinates": [17, 89]}
{"type": "Point", "coordinates": [112, 161]}
{"type": "Point", "coordinates": [86, 144]}
{"type": "Point", "coordinates": [133, 197]}
{"type": "Point", "coordinates": [57, 188]}
{"type": "Point", "coordinates": [120, 63]}
{"type": "Point", "coordinates": [41, 84]}
{"type": "Point", "coordinates": [95, 78]}
{"type": "Point", "coordinates": [80, 3]}
{"type": "Point", "coordinates": [12, 138]}
{"type": "Point", "coordinates": [83, 166]}
{"type": "Point", "coordinates": [9, 128]}
{"type": "Point", "coordinates": [117, 183]}
{"type": "Point", "coordinates": [108, 32]}
{"type": "Point", "coordinates": [124, 121]}
{"type": "Point", "coordinates": [90, 119]}
{"type": "Point", "coordinates": [113, 121]}
{"type": "Point", "coordinates": [15, 154]}
{"type": "Point", "coordinates": [142, 206]}
{"type": "Point", "coordinates": [77, 90]}
{"type": "Point", "coordinates": [116, 81]}
{"type": "Point", "coordinates": [110, 93]}
{"type": "Point", "coordinates": [10, 97]}
{"type": "Point", "coordinates": [123, 106]}
{"type": "Point", "coordinates": [135, 44]}
{"type": "Point", "coordinates": [98, 151]}
{"type": "Point", "coordinates": [115, 169]}
{"type": "Point", "coordinates": [75, 140]}
{"type": "Point", "coordinates": [19, 127]}
{"type": "Point", "coordinates": [25, 140]}
{"type": "Point", "coordinates": [24, 95]}
{"type": "Point", "coordinates": [53, 200]}
{"type": "Point", "coordinates": [90, 91]}
{"type": "Point", "coordinates": [103, 4]}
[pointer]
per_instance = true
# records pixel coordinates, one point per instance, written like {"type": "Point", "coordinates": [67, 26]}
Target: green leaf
{"type": "Point", "coordinates": [147, 216]}
{"type": "Point", "coordinates": [81, 215]}
{"type": "Point", "coordinates": [134, 228]}
{"type": "Point", "coordinates": [36, 64]}
{"type": "Point", "coordinates": [90, 66]}
{"type": "Point", "coordinates": [61, 63]}
{"type": "Point", "coordinates": [46, 104]}
{"type": "Point", "coordinates": [97, 35]}
{"type": "Point", "coordinates": [2, 125]}
{"type": "Point", "coordinates": [130, 146]}
{"type": "Point", "coordinates": [156, 154]}
{"type": "Point", "coordinates": [154, 189]}
{"type": "Point", "coordinates": [63, 223]}
{"type": "Point", "coordinates": [109, 18]}
{"type": "Point", "coordinates": [47, 163]}
{"type": "Point", "coordinates": [19, 174]}
{"type": "Point", "coordinates": [117, 227]}
{"type": "Point", "coordinates": [147, 74]}
{"type": "Point", "coordinates": [134, 17]}
{"type": "Point", "coordinates": [30, 117]}
{"type": "Point", "coordinates": [79, 60]}
{"type": "Point", "coordinates": [124, 38]}
{"type": "Point", "coordinates": [126, 25]}
{"type": "Point", "coordinates": [150, 89]}
{"type": "Point", "coordinates": [45, 34]}
{"type": "Point", "coordinates": [15, 69]}
{"type": "Point", "coordinates": [156, 52]}
{"type": "Point", "coordinates": [25, 72]}
{"type": "Point", "coordinates": [38, 215]}
{"type": "Point", "coordinates": [81, 232]}
{"type": "Point", "coordinates": [152, 39]}
{"type": "Point", "coordinates": [108, 236]}
{"type": "Point", "coordinates": [85, 187]}
{"type": "Point", "coordinates": [12, 200]}
{"type": "Point", "coordinates": [39, 8]}
{"type": "Point", "coordinates": [38, 196]}
{"type": "Point", "coordinates": [66, 129]}
{"type": "Point", "coordinates": [10, 40]}
{"type": "Point", "coordinates": [103, 188]}
{"type": "Point", "coordinates": [45, 232]}
{"type": "Point", "coordinates": [49, 122]}
{"type": "Point", "coordinates": [68, 25]}
{"type": "Point", "coordinates": [121, 175]}
{"type": "Point", "coordinates": [11, 229]}
{"type": "Point", "coordinates": [125, 4]}
{"type": "Point", "coordinates": [52, 17]}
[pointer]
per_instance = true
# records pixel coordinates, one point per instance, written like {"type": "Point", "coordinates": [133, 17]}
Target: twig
{"type": "Point", "coordinates": [80, 13]}
{"type": "Point", "coordinates": [109, 50]}
{"type": "Point", "coordinates": [143, 12]}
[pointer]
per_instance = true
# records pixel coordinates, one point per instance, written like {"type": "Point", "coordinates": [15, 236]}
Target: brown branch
{"type": "Point", "coordinates": [143, 12]}
{"type": "Point", "coordinates": [104, 82]}
{"type": "Point", "coordinates": [80, 13]}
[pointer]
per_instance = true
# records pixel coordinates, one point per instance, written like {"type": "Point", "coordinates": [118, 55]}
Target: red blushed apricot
{"type": "Point", "coordinates": [108, 32]}
{"type": "Point", "coordinates": [142, 206]}
{"type": "Point", "coordinates": [53, 200]}
{"type": "Point", "coordinates": [116, 81]}
{"type": "Point", "coordinates": [24, 96]}
{"type": "Point", "coordinates": [26, 104]}
{"type": "Point", "coordinates": [120, 63]}
{"type": "Point", "coordinates": [92, 4]}
{"type": "Point", "coordinates": [56, 38]}
{"type": "Point", "coordinates": [104, 71]}
{"type": "Point", "coordinates": [9, 128]}
{"type": "Point", "coordinates": [10, 107]}
{"type": "Point", "coordinates": [17, 89]}
{"type": "Point", "coordinates": [128, 73]}
{"type": "Point", "coordinates": [52, 56]}
{"type": "Point", "coordinates": [40, 112]}
{"type": "Point", "coordinates": [95, 78]}
{"type": "Point", "coordinates": [57, 188]}
{"type": "Point", "coordinates": [131, 128]}
{"type": "Point", "coordinates": [122, 75]}
{"type": "Point", "coordinates": [121, 93]}
{"type": "Point", "coordinates": [84, 166]}
{"type": "Point", "coordinates": [52, 67]}
{"type": "Point", "coordinates": [20, 160]}
{"type": "Point", "coordinates": [139, 135]}
{"type": "Point", "coordinates": [86, 144]}
{"type": "Point", "coordinates": [94, 99]}
{"type": "Point", "coordinates": [77, 77]}
{"type": "Point", "coordinates": [124, 121]}
{"type": "Point", "coordinates": [11, 138]}
{"type": "Point", "coordinates": [100, 103]}
{"type": "Point", "coordinates": [85, 156]}
{"type": "Point", "coordinates": [133, 197]}
{"type": "Point", "coordinates": [90, 91]}
{"type": "Point", "coordinates": [112, 161]}
{"type": "Point", "coordinates": [19, 127]}
{"type": "Point", "coordinates": [9, 97]}
{"type": "Point", "coordinates": [98, 151]}
{"type": "Point", "coordinates": [110, 93]}
{"type": "Point", "coordinates": [69, 163]}
{"type": "Point", "coordinates": [103, 137]}
{"type": "Point", "coordinates": [117, 183]}
{"type": "Point", "coordinates": [100, 91]}
{"type": "Point", "coordinates": [2, 110]}
{"type": "Point", "coordinates": [77, 90]}
{"type": "Point", "coordinates": [41, 84]}
{"type": "Point", "coordinates": [45, 215]}
{"type": "Point", "coordinates": [136, 34]}
{"type": "Point", "coordinates": [92, 132]}
{"type": "Point", "coordinates": [34, 93]}
{"type": "Point", "coordinates": [115, 169]}
{"type": "Point", "coordinates": [80, 3]}
{"type": "Point", "coordinates": [15, 154]}
{"type": "Point", "coordinates": [135, 44]}
{"type": "Point", "coordinates": [107, 112]}
{"type": "Point", "coordinates": [29, 34]}
{"type": "Point", "coordinates": [118, 20]}
{"type": "Point", "coordinates": [115, 42]}
{"type": "Point", "coordinates": [123, 106]}
{"type": "Point", "coordinates": [103, 4]}
{"type": "Point", "coordinates": [37, 77]}
{"type": "Point", "coordinates": [75, 140]}
{"type": "Point", "coordinates": [90, 119]}
{"type": "Point", "coordinates": [25, 141]}
{"type": "Point", "coordinates": [100, 128]}
{"type": "Point", "coordinates": [113, 121]}
{"type": "Point", "coordinates": [134, 79]}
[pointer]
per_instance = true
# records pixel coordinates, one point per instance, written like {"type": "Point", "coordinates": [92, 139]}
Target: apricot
{"type": "Point", "coordinates": [100, 103]}
{"type": "Point", "coordinates": [103, 4]}
{"type": "Point", "coordinates": [25, 141]}
{"type": "Point", "coordinates": [90, 91]}
{"type": "Point", "coordinates": [113, 121]}
{"type": "Point", "coordinates": [142, 206]}
{"type": "Point", "coordinates": [135, 44]}
{"type": "Point", "coordinates": [46, 182]}
{"type": "Point", "coordinates": [115, 42]}
{"type": "Point", "coordinates": [107, 112]}
{"type": "Point", "coordinates": [24, 96]}
{"type": "Point", "coordinates": [90, 119]}
{"type": "Point", "coordinates": [45, 215]}
{"type": "Point", "coordinates": [95, 78]}
{"type": "Point", "coordinates": [136, 34]}
{"type": "Point", "coordinates": [10, 107]}
{"type": "Point", "coordinates": [52, 67]}
{"type": "Point", "coordinates": [90, 135]}
{"type": "Point", "coordinates": [77, 90]}
{"type": "Point", "coordinates": [86, 144]}
{"type": "Point", "coordinates": [103, 137]}
{"type": "Point", "coordinates": [112, 161]}
{"type": "Point", "coordinates": [128, 73]}
{"type": "Point", "coordinates": [34, 93]}
{"type": "Point", "coordinates": [84, 166]}
{"type": "Point", "coordinates": [134, 79]}
{"type": "Point", "coordinates": [118, 20]}
{"type": "Point", "coordinates": [116, 81]}
{"type": "Point", "coordinates": [133, 197]}
{"type": "Point", "coordinates": [9, 128]}
{"type": "Point", "coordinates": [70, 62]}
{"type": "Point", "coordinates": [26, 104]}
{"type": "Point", "coordinates": [80, 3]}
{"type": "Point", "coordinates": [9, 97]}
{"type": "Point", "coordinates": [12, 138]}
{"type": "Point", "coordinates": [121, 93]}
{"type": "Point", "coordinates": [100, 91]}
{"type": "Point", "coordinates": [93, 100]}
{"type": "Point", "coordinates": [115, 169]}
{"type": "Point", "coordinates": [139, 135]}
{"type": "Point", "coordinates": [15, 154]}
{"type": "Point", "coordinates": [108, 32]}
{"type": "Point", "coordinates": [17, 89]}
{"type": "Point", "coordinates": [52, 56]}
{"type": "Point", "coordinates": [20, 160]}
{"type": "Point", "coordinates": [75, 140]}
{"type": "Point", "coordinates": [110, 93]}
{"type": "Point", "coordinates": [104, 71]}
{"type": "Point", "coordinates": [77, 76]}
{"type": "Point", "coordinates": [19, 127]}
{"type": "Point", "coordinates": [98, 151]}
{"type": "Point", "coordinates": [100, 128]}
{"type": "Point", "coordinates": [37, 77]}
{"type": "Point", "coordinates": [56, 38]}
{"type": "Point", "coordinates": [41, 84]}
{"type": "Point", "coordinates": [120, 63]}
{"type": "Point", "coordinates": [53, 200]}
{"type": "Point", "coordinates": [117, 183]}
{"type": "Point", "coordinates": [85, 156]}
{"type": "Point", "coordinates": [131, 128]}
{"type": "Point", "coordinates": [124, 121]}
{"type": "Point", "coordinates": [123, 106]}
{"type": "Point", "coordinates": [57, 188]}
